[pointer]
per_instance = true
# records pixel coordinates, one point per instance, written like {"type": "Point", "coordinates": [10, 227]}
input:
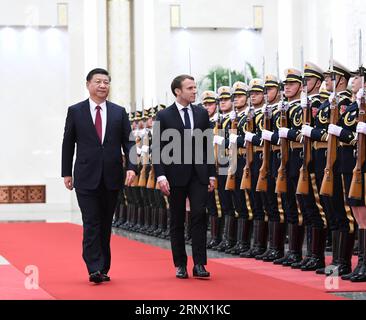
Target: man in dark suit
{"type": "Point", "coordinates": [188, 175]}
{"type": "Point", "coordinates": [99, 128]}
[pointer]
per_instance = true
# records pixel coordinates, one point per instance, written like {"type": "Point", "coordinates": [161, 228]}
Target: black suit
{"type": "Point", "coordinates": [188, 177]}
{"type": "Point", "coordinates": [98, 174]}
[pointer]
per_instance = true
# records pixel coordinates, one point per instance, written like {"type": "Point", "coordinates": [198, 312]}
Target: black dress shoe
{"type": "Point", "coordinates": [181, 272]}
{"type": "Point", "coordinates": [106, 277]}
{"type": "Point", "coordinates": [96, 277]}
{"type": "Point", "coordinates": [200, 271]}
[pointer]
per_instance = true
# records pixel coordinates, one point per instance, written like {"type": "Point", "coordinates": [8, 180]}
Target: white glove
{"type": "Point", "coordinates": [232, 138]}
{"type": "Point", "coordinates": [334, 130]}
{"type": "Point", "coordinates": [304, 100]}
{"type": "Point", "coordinates": [331, 97]}
{"type": "Point", "coordinates": [282, 105]}
{"type": "Point", "coordinates": [140, 133]}
{"type": "Point", "coordinates": [218, 140]}
{"type": "Point", "coordinates": [267, 135]}
{"type": "Point", "coordinates": [249, 136]}
{"type": "Point", "coordinates": [282, 132]}
{"type": "Point", "coordinates": [145, 149]}
{"type": "Point", "coordinates": [306, 130]}
{"type": "Point", "coordinates": [215, 117]}
{"type": "Point", "coordinates": [138, 151]}
{"type": "Point", "coordinates": [232, 115]}
{"type": "Point", "coordinates": [264, 108]}
{"type": "Point", "coordinates": [360, 94]}
{"type": "Point", "coordinates": [361, 127]}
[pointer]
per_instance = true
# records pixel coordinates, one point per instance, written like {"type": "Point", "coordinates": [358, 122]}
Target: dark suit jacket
{"type": "Point", "coordinates": [178, 174]}
{"type": "Point", "coordinates": [94, 159]}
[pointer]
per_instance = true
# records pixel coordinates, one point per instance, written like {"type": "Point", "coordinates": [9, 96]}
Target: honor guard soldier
{"type": "Point", "coordinates": [158, 204]}
{"type": "Point", "coordinates": [132, 192]}
{"type": "Point", "coordinates": [359, 273]}
{"type": "Point", "coordinates": [209, 102]}
{"type": "Point", "coordinates": [260, 223]}
{"type": "Point", "coordinates": [160, 213]}
{"type": "Point", "coordinates": [276, 225]}
{"type": "Point", "coordinates": [314, 216]}
{"type": "Point", "coordinates": [339, 222]}
{"type": "Point", "coordinates": [146, 191]}
{"type": "Point", "coordinates": [143, 151]}
{"type": "Point", "coordinates": [225, 196]}
{"type": "Point", "coordinates": [160, 223]}
{"type": "Point", "coordinates": [292, 133]}
{"type": "Point", "coordinates": [127, 190]}
{"type": "Point", "coordinates": [121, 207]}
{"type": "Point", "coordinates": [241, 197]}
{"type": "Point", "coordinates": [346, 131]}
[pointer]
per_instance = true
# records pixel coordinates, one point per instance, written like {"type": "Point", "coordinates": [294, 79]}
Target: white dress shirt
{"type": "Point", "coordinates": [190, 113]}
{"type": "Point", "coordinates": [103, 114]}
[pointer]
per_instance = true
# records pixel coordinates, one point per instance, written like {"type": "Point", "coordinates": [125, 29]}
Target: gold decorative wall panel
{"type": "Point", "coordinates": [22, 194]}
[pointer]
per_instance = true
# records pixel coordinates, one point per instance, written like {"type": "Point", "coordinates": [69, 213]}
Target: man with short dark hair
{"type": "Point", "coordinates": [184, 177]}
{"type": "Point", "coordinates": [99, 128]}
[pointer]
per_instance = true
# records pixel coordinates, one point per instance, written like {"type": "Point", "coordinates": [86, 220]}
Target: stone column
{"type": "Point", "coordinates": [119, 51]}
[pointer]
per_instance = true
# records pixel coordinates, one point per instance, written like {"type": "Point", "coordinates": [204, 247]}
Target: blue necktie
{"type": "Point", "coordinates": [187, 121]}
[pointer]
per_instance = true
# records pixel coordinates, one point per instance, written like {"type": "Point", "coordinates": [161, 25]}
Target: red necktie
{"type": "Point", "coordinates": [98, 123]}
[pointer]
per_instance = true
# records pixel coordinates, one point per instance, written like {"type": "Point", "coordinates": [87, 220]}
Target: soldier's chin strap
{"type": "Point", "coordinates": [275, 96]}
{"type": "Point", "coordinates": [311, 90]}
{"type": "Point", "coordinates": [337, 83]}
{"type": "Point", "coordinates": [298, 91]}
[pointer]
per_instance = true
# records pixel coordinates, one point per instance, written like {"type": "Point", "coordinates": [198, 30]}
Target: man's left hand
{"type": "Point", "coordinates": [130, 177]}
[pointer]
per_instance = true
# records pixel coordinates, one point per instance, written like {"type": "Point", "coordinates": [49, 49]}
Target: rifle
{"type": "Point", "coordinates": [230, 180]}
{"type": "Point", "coordinates": [151, 179]}
{"type": "Point", "coordinates": [137, 142]}
{"type": "Point", "coordinates": [218, 127]}
{"type": "Point", "coordinates": [355, 191]}
{"type": "Point", "coordinates": [328, 179]}
{"type": "Point", "coordinates": [216, 130]}
{"type": "Point", "coordinates": [145, 160]}
{"type": "Point", "coordinates": [281, 182]}
{"type": "Point", "coordinates": [304, 177]}
{"type": "Point", "coordinates": [262, 184]}
{"type": "Point", "coordinates": [246, 181]}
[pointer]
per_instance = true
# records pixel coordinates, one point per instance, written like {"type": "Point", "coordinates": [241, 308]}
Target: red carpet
{"type": "Point", "coordinates": [12, 286]}
{"type": "Point", "coordinates": [139, 271]}
{"type": "Point", "coordinates": [310, 279]}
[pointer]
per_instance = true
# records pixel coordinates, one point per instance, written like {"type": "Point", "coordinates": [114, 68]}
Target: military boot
{"type": "Point", "coordinates": [278, 244]}
{"type": "Point", "coordinates": [317, 259]}
{"type": "Point", "coordinates": [360, 275]}
{"type": "Point", "coordinates": [361, 256]}
{"type": "Point", "coordinates": [308, 233]}
{"type": "Point", "coordinates": [335, 255]}
{"type": "Point", "coordinates": [260, 235]}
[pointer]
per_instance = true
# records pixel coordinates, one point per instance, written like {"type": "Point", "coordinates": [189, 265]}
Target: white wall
{"type": "Point", "coordinates": [311, 23]}
{"type": "Point", "coordinates": [230, 45]}
{"type": "Point", "coordinates": [45, 71]}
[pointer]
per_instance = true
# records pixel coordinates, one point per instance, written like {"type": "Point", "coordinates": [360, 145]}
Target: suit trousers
{"type": "Point", "coordinates": [197, 194]}
{"type": "Point", "coordinates": [97, 209]}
